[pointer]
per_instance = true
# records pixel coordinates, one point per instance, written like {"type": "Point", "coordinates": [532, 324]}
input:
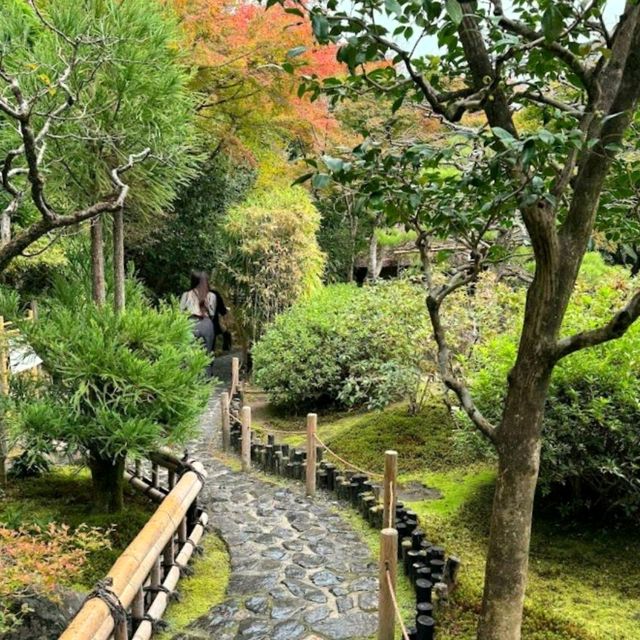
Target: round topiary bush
{"type": "Point", "coordinates": [591, 450]}
{"type": "Point", "coordinates": [345, 346]}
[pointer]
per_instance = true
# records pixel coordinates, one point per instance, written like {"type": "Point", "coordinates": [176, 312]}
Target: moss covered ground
{"type": "Point", "coordinates": [201, 591]}
{"type": "Point", "coordinates": [584, 583]}
{"type": "Point", "coordinates": [64, 496]}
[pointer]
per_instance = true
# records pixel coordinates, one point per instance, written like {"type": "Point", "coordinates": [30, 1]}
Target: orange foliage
{"type": "Point", "coordinates": [239, 48]}
{"type": "Point", "coordinates": [38, 559]}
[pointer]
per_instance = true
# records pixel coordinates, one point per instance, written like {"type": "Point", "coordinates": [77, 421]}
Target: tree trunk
{"type": "Point", "coordinates": [5, 229]}
{"type": "Point", "coordinates": [99, 287]}
{"type": "Point", "coordinates": [519, 443]}
{"type": "Point", "coordinates": [372, 267]}
{"type": "Point", "coordinates": [107, 476]}
{"type": "Point", "coordinates": [118, 261]}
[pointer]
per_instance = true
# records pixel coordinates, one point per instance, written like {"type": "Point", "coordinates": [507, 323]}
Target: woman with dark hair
{"type": "Point", "coordinates": [200, 303]}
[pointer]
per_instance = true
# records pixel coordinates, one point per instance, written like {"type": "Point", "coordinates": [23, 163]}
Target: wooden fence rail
{"type": "Point", "coordinates": [128, 604]}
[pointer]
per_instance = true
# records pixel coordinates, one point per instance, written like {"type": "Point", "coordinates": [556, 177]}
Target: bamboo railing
{"type": "Point", "coordinates": [130, 602]}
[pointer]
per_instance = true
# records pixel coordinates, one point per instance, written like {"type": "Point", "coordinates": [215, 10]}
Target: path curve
{"type": "Point", "coordinates": [298, 570]}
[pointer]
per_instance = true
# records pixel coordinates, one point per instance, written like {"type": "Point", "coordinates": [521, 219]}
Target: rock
{"type": "Point", "coordinates": [248, 583]}
{"type": "Point", "coordinates": [254, 629]}
{"type": "Point", "coordinates": [345, 603]}
{"type": "Point", "coordinates": [46, 618]}
{"type": "Point", "coordinates": [257, 604]}
{"type": "Point", "coordinates": [364, 584]}
{"type": "Point", "coordinates": [368, 601]}
{"type": "Point", "coordinates": [325, 579]}
{"type": "Point", "coordinates": [273, 553]}
{"type": "Point", "coordinates": [282, 609]}
{"type": "Point", "coordinates": [294, 571]}
{"type": "Point", "coordinates": [351, 625]}
{"type": "Point", "coordinates": [302, 590]}
{"type": "Point", "coordinates": [316, 615]}
{"type": "Point", "coordinates": [288, 630]}
{"type": "Point", "coordinates": [307, 560]}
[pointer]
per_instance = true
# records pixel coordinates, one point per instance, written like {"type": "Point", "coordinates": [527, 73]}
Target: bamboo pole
{"type": "Point", "coordinates": [312, 426]}
{"type": "Point", "coordinates": [388, 565]}
{"type": "Point", "coordinates": [390, 488]}
{"type": "Point", "coordinates": [130, 571]}
{"type": "Point", "coordinates": [160, 602]}
{"type": "Point", "coordinates": [246, 438]}
{"type": "Point", "coordinates": [224, 408]}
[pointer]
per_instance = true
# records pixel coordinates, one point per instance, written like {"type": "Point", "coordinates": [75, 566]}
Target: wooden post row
{"type": "Point", "coordinates": [388, 565]}
{"type": "Point", "coordinates": [246, 438]}
{"type": "Point", "coordinates": [224, 408]}
{"type": "Point", "coordinates": [312, 425]}
{"type": "Point", "coordinates": [390, 489]}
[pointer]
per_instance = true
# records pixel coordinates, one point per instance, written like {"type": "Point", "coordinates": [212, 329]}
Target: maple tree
{"type": "Point", "coordinates": [249, 62]}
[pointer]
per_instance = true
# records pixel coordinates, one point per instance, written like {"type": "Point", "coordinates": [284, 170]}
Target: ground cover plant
{"type": "Point", "coordinates": [51, 538]}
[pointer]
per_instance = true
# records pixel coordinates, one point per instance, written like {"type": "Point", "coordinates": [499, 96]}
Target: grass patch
{"type": "Point", "coordinates": [422, 441]}
{"type": "Point", "coordinates": [65, 496]}
{"type": "Point", "coordinates": [201, 591]}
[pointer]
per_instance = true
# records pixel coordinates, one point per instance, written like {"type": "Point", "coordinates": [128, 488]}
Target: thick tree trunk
{"type": "Point", "coordinates": [99, 287]}
{"type": "Point", "coordinates": [519, 443]}
{"type": "Point", "coordinates": [107, 476]}
{"type": "Point", "coordinates": [118, 261]}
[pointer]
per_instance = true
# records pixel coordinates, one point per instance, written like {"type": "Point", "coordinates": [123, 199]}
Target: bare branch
{"type": "Point", "coordinates": [615, 328]}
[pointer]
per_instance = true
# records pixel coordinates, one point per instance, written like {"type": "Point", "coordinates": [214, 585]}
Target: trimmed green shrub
{"type": "Point", "coordinates": [591, 449]}
{"type": "Point", "coordinates": [345, 346]}
{"type": "Point", "coordinates": [119, 384]}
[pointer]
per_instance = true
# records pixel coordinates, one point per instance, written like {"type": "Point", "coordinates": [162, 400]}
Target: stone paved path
{"type": "Point", "coordinates": [298, 570]}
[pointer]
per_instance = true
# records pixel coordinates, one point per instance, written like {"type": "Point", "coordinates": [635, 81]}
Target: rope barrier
{"type": "Point", "coordinates": [405, 635]}
{"type": "Point", "coordinates": [349, 464]}
{"type": "Point", "coordinates": [281, 431]}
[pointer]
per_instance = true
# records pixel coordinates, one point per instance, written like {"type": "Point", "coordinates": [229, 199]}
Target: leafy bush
{"type": "Point", "coordinates": [591, 449]}
{"type": "Point", "coordinates": [271, 257]}
{"type": "Point", "coordinates": [120, 384]}
{"type": "Point", "coordinates": [345, 346]}
{"type": "Point", "coordinates": [37, 560]}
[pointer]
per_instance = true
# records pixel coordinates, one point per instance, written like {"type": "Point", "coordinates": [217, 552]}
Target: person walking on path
{"type": "Point", "coordinates": [200, 303]}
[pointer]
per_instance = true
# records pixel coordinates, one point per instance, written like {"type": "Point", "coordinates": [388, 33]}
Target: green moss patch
{"type": "Point", "coordinates": [201, 591]}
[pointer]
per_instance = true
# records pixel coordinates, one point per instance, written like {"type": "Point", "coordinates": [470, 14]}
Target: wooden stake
{"type": "Point", "coordinates": [388, 565]}
{"type": "Point", "coordinates": [390, 488]}
{"type": "Point", "coordinates": [312, 426]}
{"type": "Point", "coordinates": [246, 438]}
{"type": "Point", "coordinates": [235, 376]}
{"type": "Point", "coordinates": [224, 408]}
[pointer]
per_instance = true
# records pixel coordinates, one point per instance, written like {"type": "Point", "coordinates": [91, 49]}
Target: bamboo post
{"type": "Point", "coordinates": [235, 375]}
{"type": "Point", "coordinates": [121, 631]}
{"type": "Point", "coordinates": [224, 408]}
{"type": "Point", "coordinates": [137, 607]}
{"type": "Point", "coordinates": [388, 575]}
{"type": "Point", "coordinates": [4, 390]}
{"type": "Point", "coordinates": [246, 438]}
{"type": "Point", "coordinates": [390, 488]}
{"type": "Point", "coordinates": [155, 477]}
{"type": "Point", "coordinates": [312, 426]}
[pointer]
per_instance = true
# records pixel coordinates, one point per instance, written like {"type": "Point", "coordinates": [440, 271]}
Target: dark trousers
{"type": "Point", "coordinates": [203, 331]}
